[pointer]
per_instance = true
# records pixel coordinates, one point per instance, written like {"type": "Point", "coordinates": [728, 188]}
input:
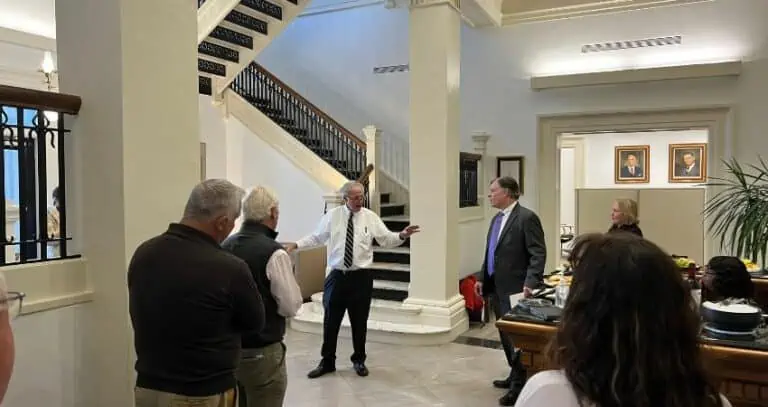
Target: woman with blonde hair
{"type": "Point", "coordinates": [624, 217]}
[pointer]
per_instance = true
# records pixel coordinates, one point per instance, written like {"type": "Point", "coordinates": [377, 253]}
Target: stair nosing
{"type": "Point", "coordinates": [405, 268]}
{"type": "Point", "coordinates": [398, 250]}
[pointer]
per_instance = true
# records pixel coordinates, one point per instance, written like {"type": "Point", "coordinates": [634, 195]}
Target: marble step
{"type": "Point", "coordinates": [391, 272]}
{"type": "Point", "coordinates": [381, 310]}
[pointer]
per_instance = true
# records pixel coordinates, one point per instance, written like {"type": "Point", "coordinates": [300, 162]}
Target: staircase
{"type": "Point", "coordinates": [324, 149]}
{"type": "Point", "coordinates": [232, 32]}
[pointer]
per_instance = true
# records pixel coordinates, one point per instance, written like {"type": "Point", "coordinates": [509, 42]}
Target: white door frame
{"type": "Point", "coordinates": [717, 120]}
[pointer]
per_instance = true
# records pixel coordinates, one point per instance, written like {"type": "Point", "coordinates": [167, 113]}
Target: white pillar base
{"type": "Point", "coordinates": [412, 322]}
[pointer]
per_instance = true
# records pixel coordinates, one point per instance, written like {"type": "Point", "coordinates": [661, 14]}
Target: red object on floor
{"type": "Point", "coordinates": [473, 301]}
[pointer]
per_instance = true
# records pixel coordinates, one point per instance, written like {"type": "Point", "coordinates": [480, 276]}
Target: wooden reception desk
{"type": "Point", "coordinates": [741, 369]}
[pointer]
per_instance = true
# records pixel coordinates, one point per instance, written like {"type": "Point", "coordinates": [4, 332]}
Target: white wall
{"type": "Point", "coordinates": [237, 154]}
{"type": "Point", "coordinates": [301, 198]}
{"type": "Point", "coordinates": [48, 359]}
{"type": "Point", "coordinates": [329, 58]}
{"type": "Point", "coordinates": [567, 186]}
{"type": "Point", "coordinates": [599, 162]}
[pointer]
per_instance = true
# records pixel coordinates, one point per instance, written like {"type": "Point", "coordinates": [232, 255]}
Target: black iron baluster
{"type": "Point", "coordinates": [27, 206]}
{"type": "Point", "coordinates": [62, 198]}
{"type": "Point", "coordinates": [42, 124]}
{"type": "Point", "coordinates": [4, 125]}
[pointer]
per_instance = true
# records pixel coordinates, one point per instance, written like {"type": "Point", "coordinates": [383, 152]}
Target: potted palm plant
{"type": "Point", "coordinates": [738, 213]}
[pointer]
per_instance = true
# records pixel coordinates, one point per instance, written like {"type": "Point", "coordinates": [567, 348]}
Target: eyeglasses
{"type": "Point", "coordinates": [12, 303]}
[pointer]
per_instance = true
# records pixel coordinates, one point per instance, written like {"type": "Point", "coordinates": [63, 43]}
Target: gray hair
{"type": "Point", "coordinates": [509, 185]}
{"type": "Point", "coordinates": [347, 187]}
{"type": "Point", "coordinates": [212, 198]}
{"type": "Point", "coordinates": [258, 204]}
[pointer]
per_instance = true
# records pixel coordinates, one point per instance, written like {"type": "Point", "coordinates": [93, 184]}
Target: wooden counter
{"type": "Point", "coordinates": [741, 372]}
{"type": "Point", "coordinates": [761, 292]}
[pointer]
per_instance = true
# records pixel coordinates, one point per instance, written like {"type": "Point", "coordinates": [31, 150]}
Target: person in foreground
{"type": "Point", "coordinates": [515, 255]}
{"type": "Point", "coordinates": [190, 301]}
{"type": "Point", "coordinates": [624, 217]}
{"type": "Point", "coordinates": [628, 336]}
{"type": "Point", "coordinates": [7, 349]}
{"type": "Point", "coordinates": [349, 231]}
{"type": "Point", "coordinates": [262, 373]}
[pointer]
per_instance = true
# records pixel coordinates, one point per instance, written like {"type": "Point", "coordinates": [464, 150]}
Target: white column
{"type": "Point", "coordinates": [434, 38]}
{"type": "Point", "coordinates": [136, 152]}
{"type": "Point", "coordinates": [332, 200]}
{"type": "Point", "coordinates": [373, 156]}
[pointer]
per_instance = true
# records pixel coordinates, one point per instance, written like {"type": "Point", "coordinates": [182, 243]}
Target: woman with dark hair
{"type": "Point", "coordinates": [628, 336]}
{"type": "Point", "coordinates": [727, 277]}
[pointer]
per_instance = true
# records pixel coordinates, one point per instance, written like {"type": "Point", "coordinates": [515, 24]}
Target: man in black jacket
{"type": "Point", "coordinates": [514, 262]}
{"type": "Point", "coordinates": [190, 301]}
{"type": "Point", "coordinates": [262, 373]}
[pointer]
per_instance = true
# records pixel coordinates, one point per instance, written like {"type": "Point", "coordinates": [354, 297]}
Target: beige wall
{"type": "Point", "coordinates": [668, 217]}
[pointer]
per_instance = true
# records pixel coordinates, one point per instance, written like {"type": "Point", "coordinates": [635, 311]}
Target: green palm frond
{"type": "Point", "coordinates": [738, 213]}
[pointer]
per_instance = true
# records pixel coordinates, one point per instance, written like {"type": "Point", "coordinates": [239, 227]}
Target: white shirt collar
{"type": "Point", "coordinates": [509, 208]}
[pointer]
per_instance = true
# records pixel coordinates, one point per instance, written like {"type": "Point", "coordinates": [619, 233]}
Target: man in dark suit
{"type": "Point", "coordinates": [688, 168]}
{"type": "Point", "coordinates": [514, 262]}
{"type": "Point", "coordinates": [631, 169]}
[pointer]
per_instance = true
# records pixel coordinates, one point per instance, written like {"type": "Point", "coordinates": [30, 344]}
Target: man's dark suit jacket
{"type": "Point", "coordinates": [521, 254]}
{"type": "Point", "coordinates": [626, 174]}
{"type": "Point", "coordinates": [682, 171]}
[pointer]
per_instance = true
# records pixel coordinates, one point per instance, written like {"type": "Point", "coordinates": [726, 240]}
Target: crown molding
{"type": "Point", "coordinates": [26, 39]}
{"type": "Point", "coordinates": [713, 70]}
{"type": "Point", "coordinates": [589, 9]}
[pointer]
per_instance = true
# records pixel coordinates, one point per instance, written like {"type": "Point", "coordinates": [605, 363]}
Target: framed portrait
{"type": "Point", "coordinates": [632, 164]}
{"type": "Point", "coordinates": [513, 166]}
{"type": "Point", "coordinates": [202, 161]}
{"type": "Point", "coordinates": [687, 162]}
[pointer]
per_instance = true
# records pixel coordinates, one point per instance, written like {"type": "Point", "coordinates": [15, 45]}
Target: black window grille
{"type": "Point", "coordinates": [33, 220]}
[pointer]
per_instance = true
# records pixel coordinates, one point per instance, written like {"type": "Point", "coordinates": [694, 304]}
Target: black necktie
{"type": "Point", "coordinates": [349, 245]}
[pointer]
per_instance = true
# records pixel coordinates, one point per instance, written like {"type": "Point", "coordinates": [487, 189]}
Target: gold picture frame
{"type": "Point", "coordinates": [632, 164]}
{"type": "Point", "coordinates": [687, 163]}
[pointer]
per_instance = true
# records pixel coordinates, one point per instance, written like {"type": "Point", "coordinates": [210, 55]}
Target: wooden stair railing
{"type": "Point", "coordinates": [336, 145]}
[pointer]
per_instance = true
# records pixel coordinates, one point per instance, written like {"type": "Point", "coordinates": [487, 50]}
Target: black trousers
{"type": "Point", "coordinates": [348, 291]}
{"type": "Point", "coordinates": [517, 374]}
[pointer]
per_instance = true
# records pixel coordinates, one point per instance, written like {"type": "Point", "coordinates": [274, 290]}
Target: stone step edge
{"type": "Point", "coordinates": [373, 325]}
{"type": "Point", "coordinates": [391, 285]}
{"type": "Point", "coordinates": [376, 304]}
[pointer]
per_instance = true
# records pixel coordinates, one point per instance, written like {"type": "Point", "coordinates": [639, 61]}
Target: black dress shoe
{"type": "Point", "coordinates": [510, 398]}
{"type": "Point", "coordinates": [321, 369]}
{"type": "Point", "coordinates": [360, 369]}
{"type": "Point", "coordinates": [502, 384]}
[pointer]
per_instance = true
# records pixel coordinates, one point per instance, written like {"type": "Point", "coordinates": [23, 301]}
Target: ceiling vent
{"type": "Point", "coordinates": [622, 45]}
{"type": "Point", "coordinates": [391, 69]}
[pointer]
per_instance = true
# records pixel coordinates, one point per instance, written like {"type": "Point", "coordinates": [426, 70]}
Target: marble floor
{"type": "Point", "coordinates": [452, 375]}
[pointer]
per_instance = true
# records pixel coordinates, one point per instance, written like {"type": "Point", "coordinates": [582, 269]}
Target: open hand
{"type": "Point", "coordinates": [410, 230]}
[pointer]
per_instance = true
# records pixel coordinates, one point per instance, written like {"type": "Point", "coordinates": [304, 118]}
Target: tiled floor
{"type": "Point", "coordinates": [452, 375]}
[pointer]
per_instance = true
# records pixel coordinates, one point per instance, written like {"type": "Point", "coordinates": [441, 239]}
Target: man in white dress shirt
{"type": "Point", "coordinates": [348, 231]}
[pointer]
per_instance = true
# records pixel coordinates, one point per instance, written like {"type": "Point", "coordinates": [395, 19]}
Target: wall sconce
{"type": "Point", "coordinates": [48, 69]}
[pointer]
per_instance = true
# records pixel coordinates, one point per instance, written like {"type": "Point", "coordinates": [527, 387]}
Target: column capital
{"type": "Point", "coordinates": [480, 141]}
{"type": "Point", "coordinates": [332, 200]}
{"type": "Point", "coordinates": [372, 134]}
{"type": "Point", "coordinates": [429, 3]}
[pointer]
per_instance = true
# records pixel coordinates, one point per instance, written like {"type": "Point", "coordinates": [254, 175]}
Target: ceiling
{"type": "Point", "coordinates": [32, 16]}
{"type": "Point", "coordinates": [517, 11]}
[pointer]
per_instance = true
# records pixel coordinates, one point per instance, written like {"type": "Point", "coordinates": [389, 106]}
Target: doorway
{"type": "Point", "coordinates": [715, 121]}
